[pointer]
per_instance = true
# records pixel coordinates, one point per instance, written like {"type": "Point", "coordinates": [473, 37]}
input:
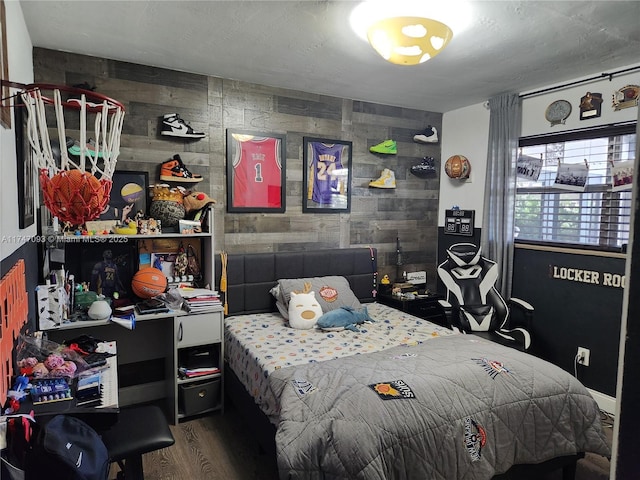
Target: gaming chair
{"type": "Point", "coordinates": [473, 304]}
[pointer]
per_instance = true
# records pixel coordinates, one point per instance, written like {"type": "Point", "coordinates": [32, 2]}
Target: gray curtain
{"type": "Point", "coordinates": [500, 185]}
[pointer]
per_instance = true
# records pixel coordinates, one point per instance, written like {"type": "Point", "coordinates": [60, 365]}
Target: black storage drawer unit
{"type": "Point", "coordinates": [199, 397]}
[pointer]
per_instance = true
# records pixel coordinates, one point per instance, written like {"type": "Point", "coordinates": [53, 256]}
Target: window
{"type": "Point", "coordinates": [596, 215]}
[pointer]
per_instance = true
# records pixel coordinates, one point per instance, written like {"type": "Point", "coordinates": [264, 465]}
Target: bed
{"type": "Point", "coordinates": [398, 398]}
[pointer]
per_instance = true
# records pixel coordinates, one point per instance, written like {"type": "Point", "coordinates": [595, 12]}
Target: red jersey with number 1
{"type": "Point", "coordinates": [257, 178]}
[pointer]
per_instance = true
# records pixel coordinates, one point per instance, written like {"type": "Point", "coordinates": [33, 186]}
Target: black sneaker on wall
{"type": "Point", "coordinates": [428, 135]}
{"type": "Point", "coordinates": [425, 169]}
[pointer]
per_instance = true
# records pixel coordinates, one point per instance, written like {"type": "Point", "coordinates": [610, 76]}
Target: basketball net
{"type": "Point", "coordinates": [75, 188]}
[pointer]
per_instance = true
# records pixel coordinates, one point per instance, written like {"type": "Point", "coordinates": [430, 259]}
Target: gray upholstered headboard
{"type": "Point", "coordinates": [251, 276]}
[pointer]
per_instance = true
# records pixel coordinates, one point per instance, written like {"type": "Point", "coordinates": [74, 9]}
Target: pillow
{"type": "Point", "coordinates": [331, 292]}
{"type": "Point", "coordinates": [304, 310]}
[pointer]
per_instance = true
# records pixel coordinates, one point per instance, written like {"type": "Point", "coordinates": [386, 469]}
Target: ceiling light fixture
{"type": "Point", "coordinates": [406, 32]}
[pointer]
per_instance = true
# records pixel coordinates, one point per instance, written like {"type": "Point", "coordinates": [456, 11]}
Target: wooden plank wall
{"type": "Point", "coordinates": [214, 104]}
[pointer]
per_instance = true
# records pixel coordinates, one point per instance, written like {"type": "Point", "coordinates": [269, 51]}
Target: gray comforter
{"type": "Point", "coordinates": [451, 408]}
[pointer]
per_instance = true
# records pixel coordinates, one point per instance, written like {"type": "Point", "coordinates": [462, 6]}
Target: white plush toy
{"type": "Point", "coordinates": [304, 310]}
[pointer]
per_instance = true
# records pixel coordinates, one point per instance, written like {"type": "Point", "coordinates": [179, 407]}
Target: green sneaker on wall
{"type": "Point", "coordinates": [388, 147]}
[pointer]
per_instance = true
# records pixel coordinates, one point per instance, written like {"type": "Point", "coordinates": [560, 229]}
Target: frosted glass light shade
{"type": "Point", "coordinates": [408, 40]}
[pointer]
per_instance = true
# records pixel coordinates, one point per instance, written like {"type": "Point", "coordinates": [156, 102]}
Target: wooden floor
{"type": "Point", "coordinates": [211, 447]}
{"type": "Point", "coordinates": [217, 447]}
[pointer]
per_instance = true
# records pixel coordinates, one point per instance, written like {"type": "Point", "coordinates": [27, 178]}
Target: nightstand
{"type": "Point", "coordinates": [424, 306]}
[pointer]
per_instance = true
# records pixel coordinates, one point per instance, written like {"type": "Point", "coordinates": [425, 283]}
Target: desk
{"type": "Point", "coordinates": [426, 307]}
{"type": "Point", "coordinates": [148, 358]}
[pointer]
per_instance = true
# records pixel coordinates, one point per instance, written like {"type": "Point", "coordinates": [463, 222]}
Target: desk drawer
{"type": "Point", "coordinates": [198, 329]}
{"type": "Point", "coordinates": [199, 397]}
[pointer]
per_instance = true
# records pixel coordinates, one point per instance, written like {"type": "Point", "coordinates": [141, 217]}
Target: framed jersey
{"type": "Point", "coordinates": [326, 184]}
{"type": "Point", "coordinates": [255, 172]}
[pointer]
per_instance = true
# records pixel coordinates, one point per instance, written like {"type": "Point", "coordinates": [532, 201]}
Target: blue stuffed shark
{"type": "Point", "coordinates": [344, 318]}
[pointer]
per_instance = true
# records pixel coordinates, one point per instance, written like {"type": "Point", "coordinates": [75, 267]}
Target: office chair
{"type": "Point", "coordinates": [473, 305]}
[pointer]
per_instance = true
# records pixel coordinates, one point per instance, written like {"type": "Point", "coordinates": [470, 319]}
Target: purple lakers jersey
{"type": "Point", "coordinates": [326, 158]}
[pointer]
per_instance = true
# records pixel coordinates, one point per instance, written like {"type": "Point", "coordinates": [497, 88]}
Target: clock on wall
{"type": "Point", "coordinates": [557, 112]}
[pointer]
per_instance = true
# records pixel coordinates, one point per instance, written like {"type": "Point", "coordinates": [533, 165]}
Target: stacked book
{"type": "Point", "coordinates": [200, 300]}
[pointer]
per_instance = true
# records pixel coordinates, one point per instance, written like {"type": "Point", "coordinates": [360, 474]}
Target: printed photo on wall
{"type": "Point", "coordinates": [255, 172]}
{"type": "Point", "coordinates": [622, 175]}
{"type": "Point", "coordinates": [326, 186]}
{"type": "Point", "coordinates": [572, 176]}
{"type": "Point", "coordinates": [529, 167]}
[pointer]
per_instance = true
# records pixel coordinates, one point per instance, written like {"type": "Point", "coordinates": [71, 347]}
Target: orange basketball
{"type": "Point", "coordinates": [75, 196]}
{"type": "Point", "coordinates": [148, 282]}
{"type": "Point", "coordinates": [457, 166]}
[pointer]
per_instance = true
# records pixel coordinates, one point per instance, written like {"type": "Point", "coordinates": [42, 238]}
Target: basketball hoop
{"type": "Point", "coordinates": [76, 188]}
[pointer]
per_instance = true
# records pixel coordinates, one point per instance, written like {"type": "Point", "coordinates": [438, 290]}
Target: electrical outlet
{"type": "Point", "coordinates": [583, 356]}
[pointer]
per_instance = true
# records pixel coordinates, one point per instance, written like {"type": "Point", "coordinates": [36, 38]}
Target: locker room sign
{"type": "Point", "coordinates": [606, 279]}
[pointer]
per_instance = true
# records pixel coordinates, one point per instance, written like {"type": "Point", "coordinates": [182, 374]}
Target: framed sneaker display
{"type": "Point", "coordinates": [256, 173]}
{"type": "Point", "coordinates": [326, 181]}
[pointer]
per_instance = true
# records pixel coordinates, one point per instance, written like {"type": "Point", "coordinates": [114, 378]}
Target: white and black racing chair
{"type": "Point", "coordinates": [473, 304]}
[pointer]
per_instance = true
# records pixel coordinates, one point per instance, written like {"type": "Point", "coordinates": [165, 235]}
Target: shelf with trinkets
{"type": "Point", "coordinates": [154, 346]}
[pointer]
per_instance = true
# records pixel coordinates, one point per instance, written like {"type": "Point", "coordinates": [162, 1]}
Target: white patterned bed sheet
{"type": "Point", "coordinates": [258, 344]}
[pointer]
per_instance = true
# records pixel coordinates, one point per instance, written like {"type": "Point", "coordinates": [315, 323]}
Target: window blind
{"type": "Point", "coordinates": [558, 207]}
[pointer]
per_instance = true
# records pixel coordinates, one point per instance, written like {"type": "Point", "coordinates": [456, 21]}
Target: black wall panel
{"type": "Point", "coordinates": [578, 303]}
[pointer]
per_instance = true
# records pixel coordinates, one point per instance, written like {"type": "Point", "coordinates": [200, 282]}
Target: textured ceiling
{"type": "Point", "coordinates": [510, 46]}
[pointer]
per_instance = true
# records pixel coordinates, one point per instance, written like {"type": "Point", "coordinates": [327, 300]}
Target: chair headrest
{"type": "Point", "coordinates": [464, 254]}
